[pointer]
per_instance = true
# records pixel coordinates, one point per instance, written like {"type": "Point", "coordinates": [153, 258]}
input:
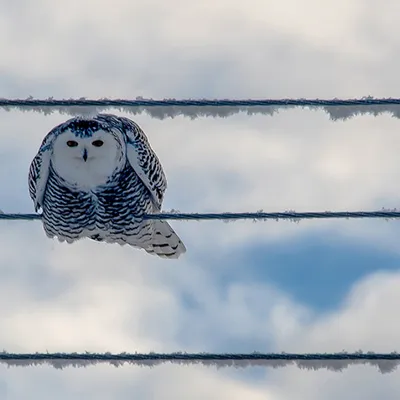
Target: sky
{"type": "Point", "coordinates": [312, 286]}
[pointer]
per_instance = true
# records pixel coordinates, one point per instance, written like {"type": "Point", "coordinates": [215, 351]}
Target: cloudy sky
{"type": "Point", "coordinates": [316, 286]}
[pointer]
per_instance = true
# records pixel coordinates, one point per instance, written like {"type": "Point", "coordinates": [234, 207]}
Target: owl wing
{"type": "Point", "coordinates": [39, 171]}
{"type": "Point", "coordinates": [144, 161]}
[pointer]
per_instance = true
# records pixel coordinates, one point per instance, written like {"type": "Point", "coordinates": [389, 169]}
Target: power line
{"type": "Point", "coordinates": [30, 102]}
{"type": "Point", "coordinates": [193, 108]}
{"type": "Point", "coordinates": [180, 356]}
{"type": "Point", "coordinates": [386, 362]}
{"type": "Point", "coordinates": [263, 216]}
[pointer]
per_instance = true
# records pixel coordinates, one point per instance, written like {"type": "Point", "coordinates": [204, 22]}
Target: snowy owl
{"type": "Point", "coordinates": [93, 176]}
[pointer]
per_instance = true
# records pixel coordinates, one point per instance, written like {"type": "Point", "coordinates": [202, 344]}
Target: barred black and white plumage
{"type": "Point", "coordinates": [92, 177]}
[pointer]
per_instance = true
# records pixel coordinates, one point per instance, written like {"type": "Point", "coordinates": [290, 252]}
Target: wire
{"type": "Point", "coordinates": [287, 215]}
{"type": "Point", "coordinates": [336, 108]}
{"type": "Point", "coordinates": [30, 102]}
{"type": "Point", "coordinates": [386, 362]}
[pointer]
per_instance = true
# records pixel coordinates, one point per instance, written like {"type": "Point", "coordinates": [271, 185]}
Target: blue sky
{"type": "Point", "coordinates": [317, 270]}
{"type": "Point", "coordinates": [316, 286]}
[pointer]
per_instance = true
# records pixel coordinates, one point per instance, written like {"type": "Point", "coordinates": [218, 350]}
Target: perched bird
{"type": "Point", "coordinates": [92, 177]}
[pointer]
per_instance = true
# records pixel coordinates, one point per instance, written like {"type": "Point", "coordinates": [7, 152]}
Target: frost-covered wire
{"type": "Point", "coordinates": [338, 109]}
{"type": "Point", "coordinates": [255, 216]}
{"type": "Point", "coordinates": [386, 362]}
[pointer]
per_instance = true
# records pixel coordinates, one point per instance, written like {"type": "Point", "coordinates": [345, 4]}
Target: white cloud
{"type": "Point", "coordinates": [126, 308]}
{"type": "Point", "coordinates": [194, 48]}
{"type": "Point", "coordinates": [105, 298]}
{"type": "Point", "coordinates": [365, 321]}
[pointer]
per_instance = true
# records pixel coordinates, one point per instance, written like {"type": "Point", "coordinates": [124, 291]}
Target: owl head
{"type": "Point", "coordinates": [87, 153]}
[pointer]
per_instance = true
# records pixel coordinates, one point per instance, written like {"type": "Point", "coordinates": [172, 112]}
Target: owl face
{"type": "Point", "coordinates": [100, 146]}
{"type": "Point", "coordinates": [87, 160]}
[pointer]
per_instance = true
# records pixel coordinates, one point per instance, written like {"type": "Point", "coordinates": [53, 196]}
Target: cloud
{"type": "Point", "coordinates": [84, 317]}
{"type": "Point", "coordinates": [94, 297]}
{"type": "Point", "coordinates": [172, 49]}
{"type": "Point", "coordinates": [364, 321]}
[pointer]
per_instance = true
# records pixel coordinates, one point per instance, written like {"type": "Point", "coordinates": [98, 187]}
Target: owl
{"type": "Point", "coordinates": [94, 177]}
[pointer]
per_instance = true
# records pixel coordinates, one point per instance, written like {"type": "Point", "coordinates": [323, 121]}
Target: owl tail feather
{"type": "Point", "coordinates": [165, 243]}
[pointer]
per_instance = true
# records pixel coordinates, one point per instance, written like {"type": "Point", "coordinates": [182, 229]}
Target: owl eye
{"type": "Point", "coordinates": [72, 143]}
{"type": "Point", "coordinates": [97, 143]}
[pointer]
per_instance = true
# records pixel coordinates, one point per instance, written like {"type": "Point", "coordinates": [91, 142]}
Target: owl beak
{"type": "Point", "coordinates": [85, 155]}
